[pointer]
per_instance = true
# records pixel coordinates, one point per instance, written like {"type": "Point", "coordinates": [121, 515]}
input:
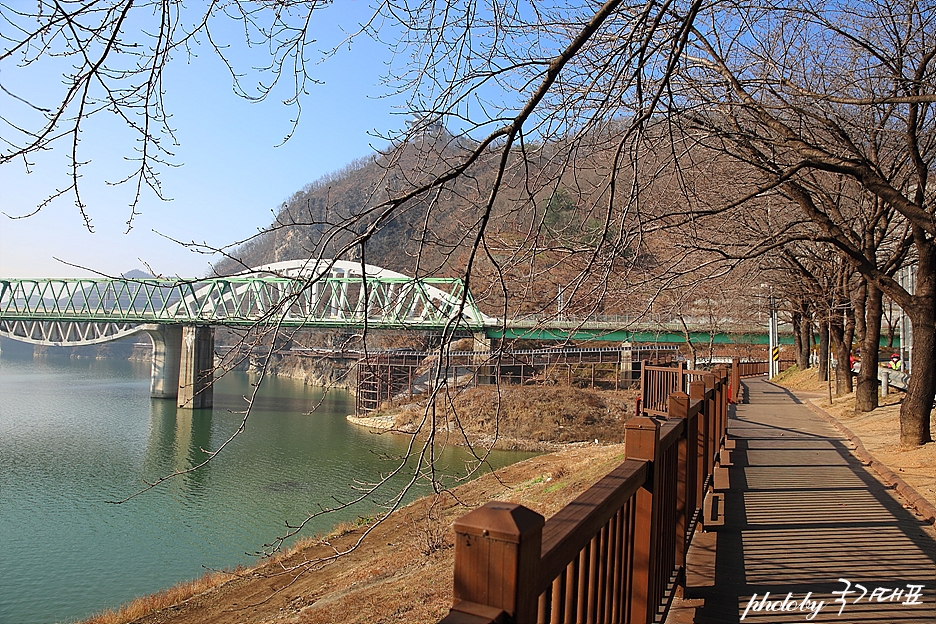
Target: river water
{"type": "Point", "coordinates": [77, 433]}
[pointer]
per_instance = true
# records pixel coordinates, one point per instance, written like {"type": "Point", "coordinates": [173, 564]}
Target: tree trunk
{"type": "Point", "coordinates": [866, 396]}
{"type": "Point", "coordinates": [891, 328]}
{"type": "Point", "coordinates": [802, 357]}
{"type": "Point", "coordinates": [823, 351]}
{"type": "Point", "coordinates": [848, 338]}
{"type": "Point", "coordinates": [842, 350]}
{"type": "Point", "coordinates": [797, 337]}
{"type": "Point", "coordinates": [858, 302]}
{"type": "Point", "coordinates": [918, 404]}
{"type": "Point", "coordinates": [915, 412]}
{"type": "Point", "coordinates": [692, 347]}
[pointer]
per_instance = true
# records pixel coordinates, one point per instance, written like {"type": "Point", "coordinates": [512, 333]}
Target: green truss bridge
{"type": "Point", "coordinates": [180, 315]}
{"type": "Point", "coordinates": [288, 294]}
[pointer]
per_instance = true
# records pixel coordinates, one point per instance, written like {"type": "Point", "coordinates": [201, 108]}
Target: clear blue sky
{"type": "Point", "coordinates": [232, 175]}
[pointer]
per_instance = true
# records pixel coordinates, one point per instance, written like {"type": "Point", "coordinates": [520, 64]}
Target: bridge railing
{"type": "Point", "coordinates": [616, 553]}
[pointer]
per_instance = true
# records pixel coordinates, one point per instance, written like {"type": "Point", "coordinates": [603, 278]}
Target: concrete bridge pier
{"type": "Point", "coordinates": [484, 348]}
{"type": "Point", "coordinates": [167, 355]}
{"type": "Point", "coordinates": [183, 364]}
{"type": "Point", "coordinates": [196, 367]}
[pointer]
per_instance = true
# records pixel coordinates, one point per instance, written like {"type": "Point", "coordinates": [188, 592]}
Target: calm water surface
{"type": "Point", "coordinates": [77, 433]}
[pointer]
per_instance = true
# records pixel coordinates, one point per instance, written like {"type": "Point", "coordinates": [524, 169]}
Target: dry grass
{"type": "Point", "coordinates": [145, 605]}
{"type": "Point", "coordinates": [410, 581]}
{"type": "Point", "coordinates": [179, 593]}
{"type": "Point", "coordinates": [538, 414]}
{"type": "Point", "coordinates": [808, 380]}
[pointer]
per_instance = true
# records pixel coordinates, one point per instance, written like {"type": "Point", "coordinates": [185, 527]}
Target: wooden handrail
{"type": "Point", "coordinates": [617, 551]}
{"type": "Point", "coordinates": [750, 369]}
{"type": "Point", "coordinates": [670, 430]}
{"type": "Point", "coordinates": [573, 526]}
{"type": "Point", "coordinates": [657, 383]}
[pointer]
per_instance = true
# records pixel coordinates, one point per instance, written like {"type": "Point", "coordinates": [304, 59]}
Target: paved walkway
{"type": "Point", "coordinates": [801, 518]}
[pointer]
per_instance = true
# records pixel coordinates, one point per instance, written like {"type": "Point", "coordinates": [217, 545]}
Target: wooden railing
{"type": "Point", "coordinates": [657, 382]}
{"type": "Point", "coordinates": [618, 551]}
{"type": "Point", "coordinates": [750, 369]}
{"type": "Point", "coordinates": [660, 379]}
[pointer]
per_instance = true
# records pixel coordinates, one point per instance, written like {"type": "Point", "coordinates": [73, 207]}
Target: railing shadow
{"type": "Point", "coordinates": [800, 514]}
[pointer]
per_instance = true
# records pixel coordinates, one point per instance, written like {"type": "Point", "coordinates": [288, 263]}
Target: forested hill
{"type": "Point", "coordinates": [541, 236]}
{"type": "Point", "coordinates": [326, 216]}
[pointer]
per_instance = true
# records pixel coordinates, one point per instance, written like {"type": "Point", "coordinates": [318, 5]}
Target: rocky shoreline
{"type": "Point", "coordinates": [313, 371]}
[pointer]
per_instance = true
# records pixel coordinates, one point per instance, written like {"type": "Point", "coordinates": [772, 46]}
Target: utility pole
{"type": "Point", "coordinates": [773, 354]}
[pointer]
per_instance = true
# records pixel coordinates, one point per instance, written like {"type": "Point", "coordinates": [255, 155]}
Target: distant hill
{"type": "Point", "coordinates": [326, 215]}
{"type": "Point", "coordinates": [538, 240]}
{"type": "Point", "coordinates": [136, 274]}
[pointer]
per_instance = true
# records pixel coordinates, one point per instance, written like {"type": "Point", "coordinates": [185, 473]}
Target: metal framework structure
{"type": "Point", "coordinates": [326, 293]}
{"type": "Point", "coordinates": [384, 375]}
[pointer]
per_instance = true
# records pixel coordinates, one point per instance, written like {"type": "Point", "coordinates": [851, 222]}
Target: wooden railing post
{"type": "Point", "coordinates": [711, 418]}
{"type": "Point", "coordinates": [642, 442]}
{"type": "Point", "coordinates": [497, 557]}
{"type": "Point", "coordinates": [736, 380]}
{"type": "Point", "coordinates": [685, 476]}
{"type": "Point", "coordinates": [697, 393]}
{"type": "Point", "coordinates": [725, 381]}
{"type": "Point", "coordinates": [643, 384]}
{"type": "Point", "coordinates": [727, 402]}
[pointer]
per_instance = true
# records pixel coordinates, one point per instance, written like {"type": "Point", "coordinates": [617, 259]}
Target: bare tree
{"type": "Point", "coordinates": [584, 99]}
{"type": "Point", "coordinates": [823, 95]}
{"type": "Point", "coordinates": [818, 274]}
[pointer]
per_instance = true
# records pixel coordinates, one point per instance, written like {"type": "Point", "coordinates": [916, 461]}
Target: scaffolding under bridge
{"type": "Point", "coordinates": [387, 376]}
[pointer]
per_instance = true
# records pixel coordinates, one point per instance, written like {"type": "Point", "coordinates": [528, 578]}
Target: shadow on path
{"type": "Point", "coordinates": [803, 519]}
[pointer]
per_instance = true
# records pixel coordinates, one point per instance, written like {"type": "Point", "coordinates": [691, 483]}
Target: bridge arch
{"type": "Point", "coordinates": [65, 333]}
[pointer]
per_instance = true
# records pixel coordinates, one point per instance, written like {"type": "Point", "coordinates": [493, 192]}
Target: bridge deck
{"type": "Point", "coordinates": [799, 512]}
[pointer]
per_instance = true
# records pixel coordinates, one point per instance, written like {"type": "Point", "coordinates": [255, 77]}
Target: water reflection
{"type": "Point", "coordinates": [178, 440]}
{"type": "Point", "coordinates": [77, 433]}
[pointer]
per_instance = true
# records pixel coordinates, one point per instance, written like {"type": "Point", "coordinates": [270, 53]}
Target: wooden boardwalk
{"type": "Point", "coordinates": [797, 515]}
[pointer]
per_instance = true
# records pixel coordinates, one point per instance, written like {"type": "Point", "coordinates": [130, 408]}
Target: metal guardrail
{"type": "Point", "coordinates": [896, 378]}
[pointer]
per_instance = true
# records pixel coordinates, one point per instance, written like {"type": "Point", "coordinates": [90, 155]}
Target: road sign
{"type": "Point", "coordinates": [775, 355]}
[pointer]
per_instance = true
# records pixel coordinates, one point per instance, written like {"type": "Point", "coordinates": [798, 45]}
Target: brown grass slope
{"type": "Point", "coordinates": [403, 570]}
{"type": "Point", "coordinates": [525, 418]}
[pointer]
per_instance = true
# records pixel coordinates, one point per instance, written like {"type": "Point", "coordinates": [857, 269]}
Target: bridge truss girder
{"type": "Point", "coordinates": [65, 333]}
{"type": "Point", "coordinates": [327, 294]}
